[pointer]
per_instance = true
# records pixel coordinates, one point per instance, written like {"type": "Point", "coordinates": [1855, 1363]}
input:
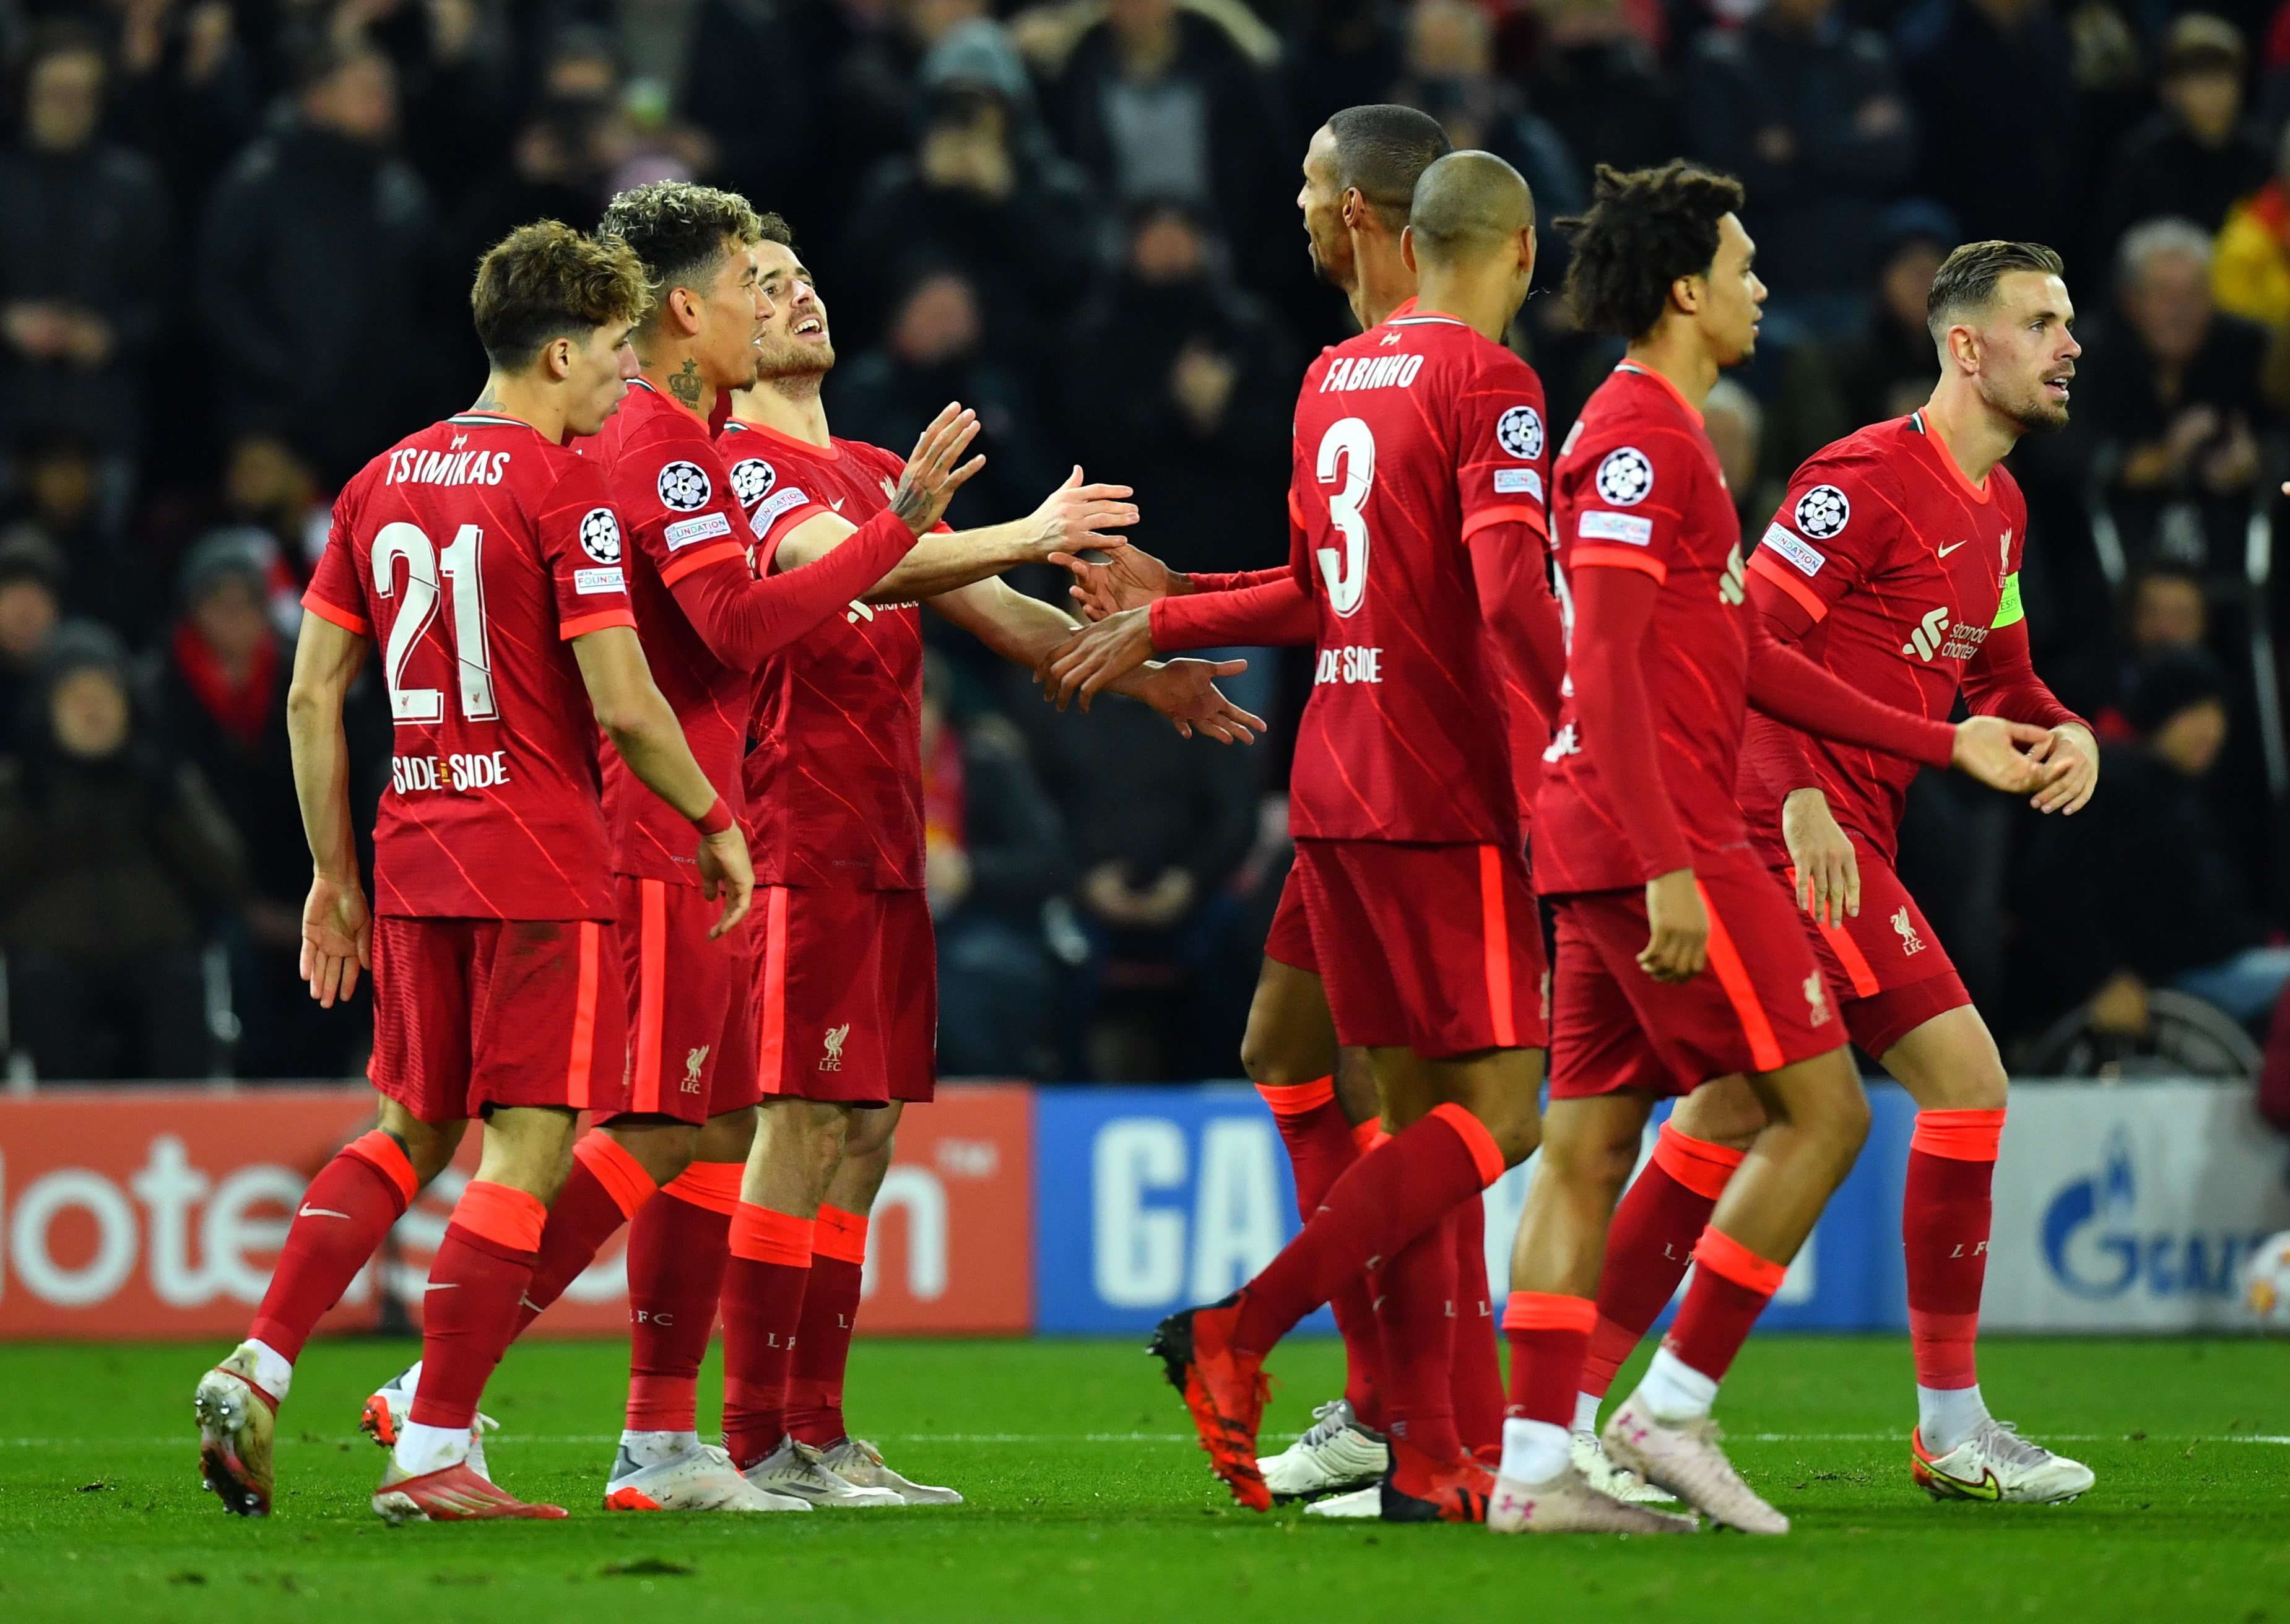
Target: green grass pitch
{"type": "Point", "coordinates": [1088, 1501]}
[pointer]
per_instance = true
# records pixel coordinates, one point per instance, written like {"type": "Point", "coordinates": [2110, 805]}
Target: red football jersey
{"type": "Point", "coordinates": [835, 781]}
{"type": "Point", "coordinates": [474, 551]}
{"type": "Point", "coordinates": [1409, 440]}
{"type": "Point", "coordinates": [1904, 567]}
{"type": "Point", "coordinates": [1637, 487]}
{"type": "Point", "coordinates": [675, 497]}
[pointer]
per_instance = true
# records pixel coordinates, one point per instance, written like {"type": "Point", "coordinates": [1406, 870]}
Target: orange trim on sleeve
{"type": "Point", "coordinates": [1485, 1154]}
{"type": "Point", "coordinates": [1548, 1311]}
{"type": "Point", "coordinates": [1721, 1254]}
{"type": "Point", "coordinates": [770, 994]}
{"type": "Point", "coordinates": [1807, 599]}
{"type": "Point", "coordinates": [609, 1163]}
{"type": "Point", "coordinates": [762, 1235]}
{"type": "Point", "coordinates": [1618, 558]}
{"type": "Point", "coordinates": [723, 552]}
{"type": "Point", "coordinates": [712, 1185]}
{"type": "Point", "coordinates": [1295, 512]}
{"type": "Point", "coordinates": [584, 1019]}
{"type": "Point", "coordinates": [501, 1214]}
{"type": "Point", "coordinates": [841, 1235]}
{"type": "Point", "coordinates": [1960, 1136]}
{"type": "Point", "coordinates": [1510, 513]}
{"type": "Point", "coordinates": [786, 522]}
{"type": "Point", "coordinates": [582, 625]}
{"type": "Point", "coordinates": [384, 1154]}
{"type": "Point", "coordinates": [1369, 1135]}
{"type": "Point", "coordinates": [1296, 1099]}
{"type": "Point", "coordinates": [335, 613]}
{"type": "Point", "coordinates": [1734, 976]}
{"type": "Point", "coordinates": [652, 993]}
{"type": "Point", "coordinates": [1699, 1165]}
{"type": "Point", "coordinates": [1494, 930]}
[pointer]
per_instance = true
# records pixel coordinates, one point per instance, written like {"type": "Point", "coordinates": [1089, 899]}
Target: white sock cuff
{"type": "Point", "coordinates": [274, 1371]}
{"type": "Point", "coordinates": [1586, 1412]}
{"type": "Point", "coordinates": [1534, 1451]}
{"type": "Point", "coordinates": [429, 1449]}
{"type": "Point", "coordinates": [1675, 1391]}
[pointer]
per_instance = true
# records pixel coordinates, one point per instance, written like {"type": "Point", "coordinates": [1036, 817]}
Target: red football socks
{"type": "Point", "coordinates": [1650, 1241]}
{"type": "Point", "coordinates": [763, 1304]}
{"type": "Point", "coordinates": [342, 1217]}
{"type": "Point", "coordinates": [1944, 1218]}
{"type": "Point", "coordinates": [1548, 1335]}
{"type": "Point", "coordinates": [469, 1310]}
{"type": "Point", "coordinates": [676, 1252]}
{"type": "Point", "coordinates": [1383, 1202]}
{"type": "Point", "coordinates": [822, 1340]}
{"type": "Point", "coordinates": [1416, 1313]}
{"type": "Point", "coordinates": [1321, 1147]}
{"type": "Point", "coordinates": [1731, 1285]}
{"type": "Point", "coordinates": [604, 1189]}
{"type": "Point", "coordinates": [1475, 1380]}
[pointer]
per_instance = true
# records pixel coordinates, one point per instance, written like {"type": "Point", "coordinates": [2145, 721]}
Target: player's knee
{"type": "Point", "coordinates": [429, 1146]}
{"type": "Point", "coordinates": [1842, 1118]}
{"type": "Point", "coordinates": [1267, 1061]}
{"type": "Point", "coordinates": [1516, 1127]}
{"type": "Point", "coordinates": [869, 1134]}
{"type": "Point", "coordinates": [727, 1137]}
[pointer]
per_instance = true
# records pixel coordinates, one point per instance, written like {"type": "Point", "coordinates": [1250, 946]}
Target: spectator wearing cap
{"type": "Point", "coordinates": [2195, 156]}
{"type": "Point", "coordinates": [112, 859]}
{"type": "Point", "coordinates": [1890, 370]}
{"type": "Point", "coordinates": [1807, 110]}
{"type": "Point", "coordinates": [1199, 426]}
{"type": "Point", "coordinates": [81, 256]}
{"type": "Point", "coordinates": [2141, 889]}
{"type": "Point", "coordinates": [31, 586]}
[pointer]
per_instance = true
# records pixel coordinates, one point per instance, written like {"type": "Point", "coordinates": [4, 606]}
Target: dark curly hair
{"type": "Point", "coordinates": [545, 281]}
{"type": "Point", "coordinates": [1645, 229]}
{"type": "Point", "coordinates": [682, 231]}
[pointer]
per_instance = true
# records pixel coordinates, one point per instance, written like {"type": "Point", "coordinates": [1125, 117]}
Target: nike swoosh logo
{"type": "Point", "coordinates": [837, 503]}
{"type": "Point", "coordinates": [310, 1211]}
{"type": "Point", "coordinates": [1950, 547]}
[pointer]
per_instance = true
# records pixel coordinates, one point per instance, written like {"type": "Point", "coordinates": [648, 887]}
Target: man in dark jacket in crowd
{"type": "Point", "coordinates": [317, 269]}
{"type": "Point", "coordinates": [1989, 77]}
{"type": "Point", "coordinates": [2193, 157]}
{"type": "Point", "coordinates": [31, 598]}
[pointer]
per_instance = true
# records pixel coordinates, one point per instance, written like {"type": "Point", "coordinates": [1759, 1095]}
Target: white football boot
{"type": "Point", "coordinates": [1335, 1454]}
{"type": "Point", "coordinates": [1685, 1460]}
{"type": "Point", "coordinates": [701, 1478]}
{"type": "Point", "coordinates": [1567, 1504]}
{"type": "Point", "coordinates": [390, 1405]}
{"type": "Point", "coordinates": [238, 1423]}
{"type": "Point", "coordinates": [798, 1469]}
{"type": "Point", "coordinates": [857, 1461]}
{"type": "Point", "coordinates": [1609, 1479]}
{"type": "Point", "coordinates": [1367, 1502]}
{"type": "Point", "coordinates": [1996, 1463]}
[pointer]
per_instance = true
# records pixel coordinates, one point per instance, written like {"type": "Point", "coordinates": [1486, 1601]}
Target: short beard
{"type": "Point", "coordinates": [2034, 415]}
{"type": "Point", "coordinates": [794, 371]}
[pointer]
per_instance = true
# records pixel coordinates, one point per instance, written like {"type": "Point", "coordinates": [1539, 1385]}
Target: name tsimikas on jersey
{"type": "Point", "coordinates": [413, 466]}
{"type": "Point", "coordinates": [465, 772]}
{"type": "Point", "coordinates": [1372, 372]}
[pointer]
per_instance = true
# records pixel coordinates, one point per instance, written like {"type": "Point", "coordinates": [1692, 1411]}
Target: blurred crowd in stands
{"type": "Point", "coordinates": [236, 238]}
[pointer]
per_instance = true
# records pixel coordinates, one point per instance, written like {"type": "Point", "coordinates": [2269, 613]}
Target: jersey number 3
{"type": "Point", "coordinates": [467, 610]}
{"type": "Point", "coordinates": [1345, 575]}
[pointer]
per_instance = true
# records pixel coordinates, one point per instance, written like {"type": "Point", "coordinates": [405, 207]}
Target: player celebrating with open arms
{"type": "Point", "coordinates": [707, 624]}
{"type": "Point", "coordinates": [474, 551]}
{"type": "Point", "coordinates": [1894, 562]}
{"type": "Point", "coordinates": [1678, 961]}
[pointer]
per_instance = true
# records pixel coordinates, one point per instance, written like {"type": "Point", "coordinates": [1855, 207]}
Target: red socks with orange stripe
{"type": "Point", "coordinates": [1549, 1334]}
{"type": "Point", "coordinates": [605, 1189]}
{"type": "Point", "coordinates": [677, 1247]}
{"type": "Point", "coordinates": [1662, 1214]}
{"type": "Point", "coordinates": [1386, 1200]}
{"type": "Point", "coordinates": [763, 1306]}
{"type": "Point", "coordinates": [468, 1312]}
{"type": "Point", "coordinates": [1945, 1211]}
{"type": "Point", "coordinates": [822, 1341]}
{"type": "Point", "coordinates": [1321, 1145]}
{"type": "Point", "coordinates": [1731, 1285]}
{"type": "Point", "coordinates": [344, 1215]}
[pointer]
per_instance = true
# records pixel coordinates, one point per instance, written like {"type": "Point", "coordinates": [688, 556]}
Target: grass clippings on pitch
{"type": "Point", "coordinates": [1088, 1501]}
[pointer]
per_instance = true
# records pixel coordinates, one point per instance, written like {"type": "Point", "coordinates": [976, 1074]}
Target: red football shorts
{"type": "Point", "coordinates": [691, 1053]}
{"type": "Point", "coordinates": [1435, 948]}
{"type": "Point", "coordinates": [1762, 1003]}
{"type": "Point", "coordinates": [1890, 973]}
{"type": "Point", "coordinates": [1290, 939]}
{"type": "Point", "coordinates": [846, 994]}
{"type": "Point", "coordinates": [469, 1013]}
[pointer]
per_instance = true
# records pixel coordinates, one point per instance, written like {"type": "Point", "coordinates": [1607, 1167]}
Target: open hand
{"type": "Point", "coordinates": [1071, 519]}
{"type": "Point", "coordinates": [1095, 655]}
{"type": "Point", "coordinates": [724, 871]}
{"type": "Point", "coordinates": [337, 939]}
{"type": "Point", "coordinates": [935, 470]}
{"type": "Point", "coordinates": [1185, 692]}
{"type": "Point", "coordinates": [1827, 871]}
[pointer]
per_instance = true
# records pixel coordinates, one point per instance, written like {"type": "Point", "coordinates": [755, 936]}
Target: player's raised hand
{"type": "Point", "coordinates": [1185, 692]}
{"type": "Point", "coordinates": [1081, 666]}
{"type": "Point", "coordinates": [1126, 578]}
{"type": "Point", "coordinates": [1828, 873]}
{"type": "Point", "coordinates": [1996, 752]}
{"type": "Point", "coordinates": [337, 939]}
{"type": "Point", "coordinates": [724, 871]}
{"type": "Point", "coordinates": [935, 470]}
{"type": "Point", "coordinates": [2071, 750]}
{"type": "Point", "coordinates": [1071, 519]}
{"type": "Point", "coordinates": [1677, 945]}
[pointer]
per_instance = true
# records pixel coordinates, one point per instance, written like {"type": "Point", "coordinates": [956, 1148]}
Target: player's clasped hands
{"type": "Point", "coordinates": [1126, 578]}
{"type": "Point", "coordinates": [1082, 665]}
{"type": "Point", "coordinates": [2001, 755]}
